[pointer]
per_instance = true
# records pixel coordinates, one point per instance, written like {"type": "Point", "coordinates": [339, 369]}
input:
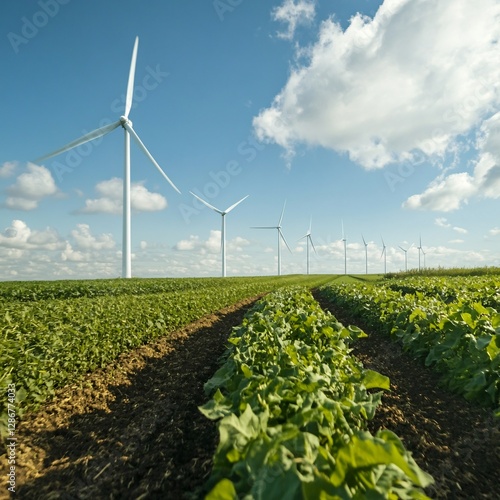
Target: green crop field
{"type": "Point", "coordinates": [53, 332]}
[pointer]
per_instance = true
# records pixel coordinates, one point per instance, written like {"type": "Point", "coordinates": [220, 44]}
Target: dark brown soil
{"type": "Point", "coordinates": [456, 442]}
{"type": "Point", "coordinates": [132, 430]}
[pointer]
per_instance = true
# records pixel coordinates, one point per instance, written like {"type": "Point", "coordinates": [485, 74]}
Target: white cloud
{"type": "Point", "coordinates": [7, 169]}
{"type": "Point", "coordinates": [495, 231]}
{"type": "Point", "coordinates": [450, 192]}
{"type": "Point", "coordinates": [30, 188]}
{"type": "Point", "coordinates": [407, 84]}
{"type": "Point", "coordinates": [86, 241]}
{"type": "Point", "coordinates": [19, 236]}
{"type": "Point", "coordinates": [460, 230]}
{"type": "Point", "coordinates": [456, 241]}
{"type": "Point", "coordinates": [442, 222]}
{"type": "Point", "coordinates": [293, 13]}
{"type": "Point", "coordinates": [111, 196]}
{"type": "Point", "coordinates": [212, 245]}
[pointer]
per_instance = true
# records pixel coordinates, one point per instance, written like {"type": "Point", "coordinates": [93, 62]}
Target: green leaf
{"type": "Point", "coordinates": [223, 490]}
{"type": "Point", "coordinates": [373, 379]}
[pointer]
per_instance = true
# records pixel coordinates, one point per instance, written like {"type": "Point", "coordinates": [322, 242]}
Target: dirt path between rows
{"type": "Point", "coordinates": [457, 442]}
{"type": "Point", "coordinates": [131, 430]}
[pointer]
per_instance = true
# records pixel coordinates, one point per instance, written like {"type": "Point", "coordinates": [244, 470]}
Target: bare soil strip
{"type": "Point", "coordinates": [457, 442]}
{"type": "Point", "coordinates": [133, 429]}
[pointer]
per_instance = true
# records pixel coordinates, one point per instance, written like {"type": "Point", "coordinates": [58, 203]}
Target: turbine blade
{"type": "Point", "coordinates": [282, 212]}
{"type": "Point", "coordinates": [207, 204]}
{"type": "Point", "coordinates": [283, 238]}
{"type": "Point", "coordinates": [131, 76]}
{"type": "Point", "coordinates": [82, 140]}
{"type": "Point", "coordinates": [312, 244]}
{"type": "Point", "coordinates": [310, 225]}
{"type": "Point", "coordinates": [364, 242]}
{"type": "Point", "coordinates": [148, 154]}
{"type": "Point", "coordinates": [263, 227]}
{"type": "Point", "coordinates": [235, 204]}
{"type": "Point", "coordinates": [402, 248]}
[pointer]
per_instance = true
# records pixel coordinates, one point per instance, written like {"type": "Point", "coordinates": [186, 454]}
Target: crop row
{"type": "Point", "coordinates": [483, 289]}
{"type": "Point", "coordinates": [460, 339]}
{"type": "Point", "coordinates": [293, 406]}
{"type": "Point", "coordinates": [45, 344]}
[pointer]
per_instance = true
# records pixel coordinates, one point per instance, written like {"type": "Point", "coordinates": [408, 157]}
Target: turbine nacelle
{"type": "Point", "coordinates": [125, 121]}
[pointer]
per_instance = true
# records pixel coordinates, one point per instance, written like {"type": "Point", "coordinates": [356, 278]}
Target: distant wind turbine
{"type": "Point", "coordinates": [424, 258]}
{"type": "Point", "coordinates": [223, 213]}
{"type": "Point", "coordinates": [419, 250]}
{"type": "Point", "coordinates": [126, 124]}
{"type": "Point", "coordinates": [384, 253]}
{"type": "Point", "coordinates": [366, 254]}
{"type": "Point", "coordinates": [406, 255]}
{"type": "Point", "coordinates": [344, 239]}
{"type": "Point", "coordinates": [308, 238]}
{"type": "Point", "coordinates": [280, 237]}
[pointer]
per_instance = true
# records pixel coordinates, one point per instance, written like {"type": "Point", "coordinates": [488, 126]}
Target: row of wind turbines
{"type": "Point", "coordinates": [129, 131]}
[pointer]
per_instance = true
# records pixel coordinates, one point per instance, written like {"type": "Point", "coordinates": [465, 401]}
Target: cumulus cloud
{"type": "Point", "coordinates": [451, 191]}
{"type": "Point", "coordinates": [21, 237]}
{"type": "Point", "coordinates": [7, 169]}
{"type": "Point", "coordinates": [212, 244]}
{"type": "Point", "coordinates": [293, 13]}
{"type": "Point", "coordinates": [85, 240]}
{"type": "Point", "coordinates": [404, 85]}
{"type": "Point", "coordinates": [442, 222]}
{"type": "Point", "coordinates": [32, 186]}
{"type": "Point", "coordinates": [460, 230]}
{"type": "Point", "coordinates": [110, 198]}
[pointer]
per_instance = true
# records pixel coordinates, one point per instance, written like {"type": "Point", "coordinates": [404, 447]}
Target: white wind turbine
{"type": "Point", "coordinates": [126, 124]}
{"type": "Point", "coordinates": [344, 239]}
{"type": "Point", "coordinates": [280, 237]}
{"type": "Point", "coordinates": [223, 213]}
{"type": "Point", "coordinates": [384, 253]}
{"type": "Point", "coordinates": [308, 238]}
{"type": "Point", "coordinates": [366, 254]}
{"type": "Point", "coordinates": [406, 255]}
{"type": "Point", "coordinates": [419, 250]}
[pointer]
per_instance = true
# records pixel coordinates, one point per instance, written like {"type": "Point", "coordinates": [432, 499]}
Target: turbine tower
{"type": "Point", "coordinates": [308, 238]}
{"type": "Point", "coordinates": [344, 239]}
{"type": "Point", "coordinates": [126, 124]}
{"type": "Point", "coordinates": [384, 253]}
{"type": "Point", "coordinates": [366, 254]}
{"type": "Point", "coordinates": [280, 237]}
{"type": "Point", "coordinates": [223, 213]}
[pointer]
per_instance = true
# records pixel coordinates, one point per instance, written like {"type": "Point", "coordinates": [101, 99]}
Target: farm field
{"type": "Point", "coordinates": [105, 431]}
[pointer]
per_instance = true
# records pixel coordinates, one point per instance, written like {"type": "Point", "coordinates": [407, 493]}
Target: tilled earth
{"type": "Point", "coordinates": [133, 430]}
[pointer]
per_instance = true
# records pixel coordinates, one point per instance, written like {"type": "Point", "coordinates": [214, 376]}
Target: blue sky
{"type": "Point", "coordinates": [383, 115]}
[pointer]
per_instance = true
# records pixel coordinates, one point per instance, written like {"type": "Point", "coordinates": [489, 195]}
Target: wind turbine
{"type": "Point", "coordinates": [406, 255]}
{"type": "Point", "coordinates": [126, 124]}
{"type": "Point", "coordinates": [384, 253]}
{"type": "Point", "coordinates": [366, 254]}
{"type": "Point", "coordinates": [344, 239]}
{"type": "Point", "coordinates": [308, 238]}
{"type": "Point", "coordinates": [223, 230]}
{"type": "Point", "coordinates": [280, 237]}
{"type": "Point", "coordinates": [424, 258]}
{"type": "Point", "coordinates": [419, 249]}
